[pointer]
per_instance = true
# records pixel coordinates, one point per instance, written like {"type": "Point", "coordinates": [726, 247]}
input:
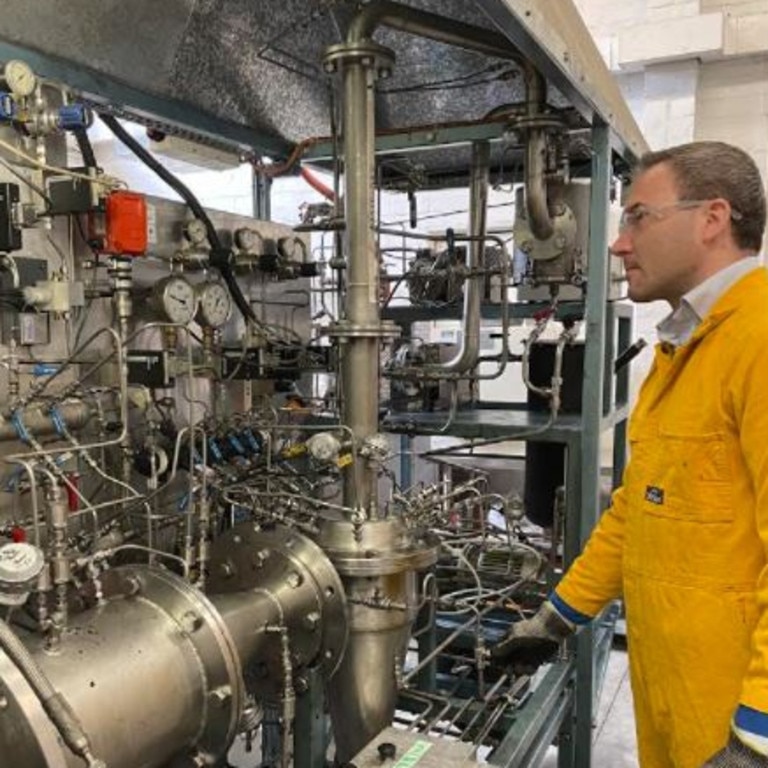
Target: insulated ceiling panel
{"type": "Point", "coordinates": [255, 65]}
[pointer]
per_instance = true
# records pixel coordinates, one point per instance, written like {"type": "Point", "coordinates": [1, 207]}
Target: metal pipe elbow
{"type": "Point", "coordinates": [536, 204]}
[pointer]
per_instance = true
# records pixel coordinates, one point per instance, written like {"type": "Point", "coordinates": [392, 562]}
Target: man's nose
{"type": "Point", "coordinates": [622, 245]}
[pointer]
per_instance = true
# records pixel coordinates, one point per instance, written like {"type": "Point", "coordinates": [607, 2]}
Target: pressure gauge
{"type": "Point", "coordinates": [20, 78]}
{"type": "Point", "coordinates": [195, 231]}
{"type": "Point", "coordinates": [177, 299]}
{"type": "Point", "coordinates": [247, 239]}
{"type": "Point", "coordinates": [215, 304]}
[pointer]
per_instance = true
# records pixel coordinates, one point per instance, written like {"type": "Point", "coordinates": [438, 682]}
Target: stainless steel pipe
{"type": "Point", "coordinates": [39, 422]}
{"type": "Point", "coordinates": [536, 198]}
{"type": "Point", "coordinates": [469, 351]}
{"type": "Point", "coordinates": [360, 352]}
{"type": "Point", "coordinates": [491, 43]}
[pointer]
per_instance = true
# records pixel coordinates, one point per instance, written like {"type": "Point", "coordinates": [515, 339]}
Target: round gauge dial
{"type": "Point", "coordinates": [20, 77]}
{"type": "Point", "coordinates": [177, 299]}
{"type": "Point", "coordinates": [215, 304]}
{"type": "Point", "coordinates": [195, 231]}
{"type": "Point", "coordinates": [247, 239]}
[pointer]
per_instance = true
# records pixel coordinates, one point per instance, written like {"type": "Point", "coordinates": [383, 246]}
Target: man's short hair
{"type": "Point", "coordinates": [705, 170]}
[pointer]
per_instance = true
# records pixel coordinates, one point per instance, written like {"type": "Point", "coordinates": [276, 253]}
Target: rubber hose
{"type": "Point", "coordinates": [53, 702]}
{"type": "Point", "coordinates": [219, 256]}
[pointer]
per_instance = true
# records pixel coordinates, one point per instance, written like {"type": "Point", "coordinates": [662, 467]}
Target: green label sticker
{"type": "Point", "coordinates": [414, 754]}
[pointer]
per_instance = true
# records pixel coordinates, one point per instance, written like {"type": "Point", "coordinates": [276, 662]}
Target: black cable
{"type": "Point", "coordinates": [85, 239]}
{"type": "Point", "coordinates": [85, 146]}
{"type": "Point", "coordinates": [219, 257]}
{"type": "Point", "coordinates": [499, 71]}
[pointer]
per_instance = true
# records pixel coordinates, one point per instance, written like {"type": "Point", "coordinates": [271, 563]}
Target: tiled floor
{"type": "Point", "coordinates": [614, 743]}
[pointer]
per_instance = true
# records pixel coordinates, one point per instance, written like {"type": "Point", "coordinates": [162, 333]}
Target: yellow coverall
{"type": "Point", "coordinates": [685, 540]}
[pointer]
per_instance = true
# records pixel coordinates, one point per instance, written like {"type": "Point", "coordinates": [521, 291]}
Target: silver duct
{"type": "Point", "coordinates": [156, 674]}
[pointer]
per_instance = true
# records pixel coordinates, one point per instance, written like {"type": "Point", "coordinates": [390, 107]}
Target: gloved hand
{"type": "Point", "coordinates": [736, 754]}
{"type": "Point", "coordinates": [532, 642]}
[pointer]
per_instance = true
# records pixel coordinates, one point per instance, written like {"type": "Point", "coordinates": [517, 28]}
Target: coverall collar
{"type": "Point", "coordinates": [678, 327]}
{"type": "Point", "coordinates": [731, 300]}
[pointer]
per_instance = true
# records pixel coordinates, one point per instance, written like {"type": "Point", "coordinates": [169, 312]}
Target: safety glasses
{"type": "Point", "coordinates": [632, 217]}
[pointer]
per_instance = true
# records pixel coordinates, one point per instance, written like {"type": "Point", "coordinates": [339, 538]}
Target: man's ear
{"type": "Point", "coordinates": [717, 218]}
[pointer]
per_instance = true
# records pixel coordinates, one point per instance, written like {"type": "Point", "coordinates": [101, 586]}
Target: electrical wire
{"type": "Point", "coordinates": [24, 180]}
{"type": "Point", "coordinates": [219, 257]}
{"type": "Point", "coordinates": [469, 80]}
{"type": "Point", "coordinates": [110, 182]}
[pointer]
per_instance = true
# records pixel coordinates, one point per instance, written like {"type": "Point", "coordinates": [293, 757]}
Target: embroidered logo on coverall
{"type": "Point", "coordinates": [654, 494]}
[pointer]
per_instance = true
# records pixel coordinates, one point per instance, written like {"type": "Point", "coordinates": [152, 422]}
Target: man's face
{"type": "Point", "coordinates": [661, 243]}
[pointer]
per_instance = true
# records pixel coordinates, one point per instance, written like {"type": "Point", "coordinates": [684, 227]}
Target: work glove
{"type": "Point", "coordinates": [736, 754]}
{"type": "Point", "coordinates": [533, 642]}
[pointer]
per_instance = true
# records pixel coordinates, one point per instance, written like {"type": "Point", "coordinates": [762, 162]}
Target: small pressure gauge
{"type": "Point", "coordinates": [177, 299]}
{"type": "Point", "coordinates": [20, 78]}
{"type": "Point", "coordinates": [247, 239]}
{"type": "Point", "coordinates": [195, 231]}
{"type": "Point", "coordinates": [214, 304]}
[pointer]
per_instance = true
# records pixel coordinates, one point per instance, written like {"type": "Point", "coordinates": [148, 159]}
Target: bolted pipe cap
{"type": "Point", "coordinates": [20, 565]}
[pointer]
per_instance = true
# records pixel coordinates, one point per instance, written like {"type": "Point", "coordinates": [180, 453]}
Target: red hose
{"type": "Point", "coordinates": [317, 185]}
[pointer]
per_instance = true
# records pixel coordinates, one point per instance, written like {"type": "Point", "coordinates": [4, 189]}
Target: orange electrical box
{"type": "Point", "coordinates": [126, 224]}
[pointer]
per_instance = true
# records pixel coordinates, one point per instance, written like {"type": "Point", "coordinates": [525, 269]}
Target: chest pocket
{"type": "Point", "coordinates": [681, 476]}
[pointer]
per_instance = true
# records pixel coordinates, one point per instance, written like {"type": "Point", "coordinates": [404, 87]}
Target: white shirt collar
{"type": "Point", "coordinates": [679, 325]}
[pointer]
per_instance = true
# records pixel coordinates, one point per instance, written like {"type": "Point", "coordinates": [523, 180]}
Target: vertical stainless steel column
{"type": "Point", "coordinates": [361, 330]}
{"type": "Point", "coordinates": [360, 354]}
{"type": "Point", "coordinates": [377, 558]}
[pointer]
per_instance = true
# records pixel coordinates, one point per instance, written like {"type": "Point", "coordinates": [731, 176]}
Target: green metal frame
{"type": "Point", "coordinates": [566, 699]}
{"type": "Point", "coordinates": [578, 527]}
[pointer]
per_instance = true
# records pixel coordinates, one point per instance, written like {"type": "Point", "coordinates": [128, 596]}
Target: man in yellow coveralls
{"type": "Point", "coordinates": [685, 541]}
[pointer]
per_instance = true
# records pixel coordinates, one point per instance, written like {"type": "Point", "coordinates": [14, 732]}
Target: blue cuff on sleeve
{"type": "Point", "coordinates": [568, 613]}
{"type": "Point", "coordinates": [752, 720]}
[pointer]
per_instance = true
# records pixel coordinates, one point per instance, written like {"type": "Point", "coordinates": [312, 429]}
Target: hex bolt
{"type": "Point", "coordinates": [312, 621]}
{"type": "Point", "coordinates": [294, 579]}
{"type": "Point", "coordinates": [221, 696]}
{"type": "Point", "coordinates": [526, 246]}
{"type": "Point", "coordinates": [131, 586]}
{"type": "Point", "coordinates": [261, 557]}
{"type": "Point", "coordinates": [191, 622]}
{"type": "Point", "coordinates": [227, 570]}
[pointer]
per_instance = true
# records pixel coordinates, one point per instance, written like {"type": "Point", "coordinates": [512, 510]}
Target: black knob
{"type": "Point", "coordinates": [387, 751]}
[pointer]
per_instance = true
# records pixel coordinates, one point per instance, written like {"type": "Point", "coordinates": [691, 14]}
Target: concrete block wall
{"type": "Point", "coordinates": [732, 105]}
{"type": "Point", "coordinates": [689, 70]}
